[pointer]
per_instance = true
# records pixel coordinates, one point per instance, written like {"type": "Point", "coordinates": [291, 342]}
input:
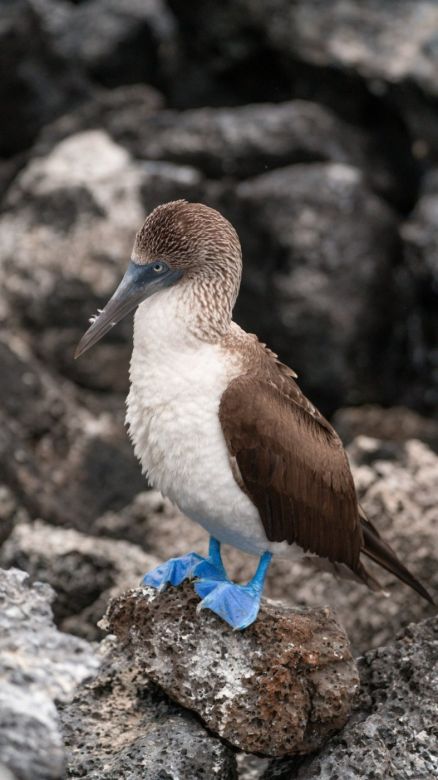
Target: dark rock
{"type": "Point", "coordinates": [281, 687]}
{"type": "Point", "coordinates": [418, 291]}
{"type": "Point", "coordinates": [225, 142]}
{"type": "Point", "coordinates": [319, 249]}
{"type": "Point", "coordinates": [120, 726]}
{"type": "Point", "coordinates": [121, 112]}
{"type": "Point", "coordinates": [38, 82]}
{"type": "Point", "coordinates": [355, 46]}
{"type": "Point", "coordinates": [155, 524]}
{"type": "Point", "coordinates": [393, 730]}
{"type": "Point", "coordinates": [136, 40]}
{"type": "Point", "coordinates": [68, 464]}
{"type": "Point", "coordinates": [246, 140]}
{"type": "Point", "coordinates": [67, 236]}
{"type": "Point", "coordinates": [84, 572]}
{"type": "Point", "coordinates": [11, 512]}
{"type": "Point", "coordinates": [397, 423]}
{"type": "Point", "coordinates": [38, 665]}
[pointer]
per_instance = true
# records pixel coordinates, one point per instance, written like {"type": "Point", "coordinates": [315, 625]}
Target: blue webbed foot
{"type": "Point", "coordinates": [238, 605]}
{"type": "Point", "coordinates": [173, 572]}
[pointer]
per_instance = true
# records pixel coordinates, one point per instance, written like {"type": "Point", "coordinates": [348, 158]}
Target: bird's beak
{"type": "Point", "coordinates": [138, 283]}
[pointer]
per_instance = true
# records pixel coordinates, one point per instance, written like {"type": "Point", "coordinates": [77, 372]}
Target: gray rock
{"type": "Point", "coordinates": [121, 112]}
{"type": "Point", "coordinates": [418, 290]}
{"type": "Point", "coordinates": [364, 43]}
{"type": "Point", "coordinates": [11, 512]}
{"type": "Point", "coordinates": [397, 423]}
{"type": "Point", "coordinates": [67, 235]}
{"type": "Point", "coordinates": [38, 666]}
{"type": "Point", "coordinates": [139, 733]}
{"type": "Point", "coordinates": [246, 140]}
{"type": "Point", "coordinates": [393, 730]}
{"type": "Point", "coordinates": [67, 462]}
{"type": "Point", "coordinates": [239, 682]}
{"type": "Point", "coordinates": [136, 42]}
{"type": "Point", "coordinates": [38, 82]}
{"type": "Point", "coordinates": [84, 572]}
{"type": "Point", "coordinates": [363, 38]}
{"type": "Point", "coordinates": [319, 250]}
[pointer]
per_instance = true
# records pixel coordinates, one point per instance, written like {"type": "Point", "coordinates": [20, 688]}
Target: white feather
{"type": "Point", "coordinates": [172, 412]}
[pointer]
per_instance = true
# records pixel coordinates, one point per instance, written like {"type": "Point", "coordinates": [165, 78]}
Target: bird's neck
{"type": "Point", "coordinates": [182, 318]}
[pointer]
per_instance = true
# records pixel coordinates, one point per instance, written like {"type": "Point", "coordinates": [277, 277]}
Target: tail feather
{"type": "Point", "coordinates": [379, 551]}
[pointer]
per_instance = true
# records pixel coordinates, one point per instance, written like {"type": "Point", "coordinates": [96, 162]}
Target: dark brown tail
{"type": "Point", "coordinates": [380, 552]}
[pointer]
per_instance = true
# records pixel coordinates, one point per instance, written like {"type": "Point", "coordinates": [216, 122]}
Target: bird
{"type": "Point", "coordinates": [220, 425]}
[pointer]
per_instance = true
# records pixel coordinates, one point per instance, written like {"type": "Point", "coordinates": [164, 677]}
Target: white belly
{"type": "Point", "coordinates": [172, 414]}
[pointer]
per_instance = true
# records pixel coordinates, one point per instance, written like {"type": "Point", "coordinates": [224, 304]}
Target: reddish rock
{"type": "Point", "coordinates": [282, 687]}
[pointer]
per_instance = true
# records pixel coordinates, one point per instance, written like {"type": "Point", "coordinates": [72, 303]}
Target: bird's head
{"type": "Point", "coordinates": [179, 243]}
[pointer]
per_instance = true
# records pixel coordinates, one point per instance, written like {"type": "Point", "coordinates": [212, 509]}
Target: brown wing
{"type": "Point", "coordinates": [292, 465]}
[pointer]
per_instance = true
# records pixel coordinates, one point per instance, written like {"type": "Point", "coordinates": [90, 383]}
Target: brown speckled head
{"type": "Point", "coordinates": [187, 236]}
{"type": "Point", "coordinates": [180, 243]}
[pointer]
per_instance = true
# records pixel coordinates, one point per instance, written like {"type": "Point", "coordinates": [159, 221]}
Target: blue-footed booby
{"type": "Point", "coordinates": [220, 425]}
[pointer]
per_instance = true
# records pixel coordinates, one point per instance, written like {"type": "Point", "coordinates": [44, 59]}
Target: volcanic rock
{"type": "Point", "coordinates": [139, 733]}
{"type": "Point", "coordinates": [84, 572]}
{"type": "Point", "coordinates": [418, 292]}
{"type": "Point", "coordinates": [38, 665]}
{"type": "Point", "coordinates": [392, 732]}
{"type": "Point", "coordinates": [38, 82]}
{"type": "Point", "coordinates": [67, 463]}
{"type": "Point", "coordinates": [396, 423]}
{"type": "Point", "coordinates": [313, 236]}
{"type": "Point", "coordinates": [281, 687]}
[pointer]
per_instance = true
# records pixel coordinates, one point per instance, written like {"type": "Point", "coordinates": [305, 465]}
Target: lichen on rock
{"type": "Point", "coordinates": [281, 687]}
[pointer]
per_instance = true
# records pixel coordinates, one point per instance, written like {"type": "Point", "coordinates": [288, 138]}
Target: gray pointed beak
{"type": "Point", "coordinates": [138, 283]}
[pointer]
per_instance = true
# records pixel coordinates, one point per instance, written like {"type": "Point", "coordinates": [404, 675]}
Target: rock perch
{"type": "Point", "coordinates": [282, 687]}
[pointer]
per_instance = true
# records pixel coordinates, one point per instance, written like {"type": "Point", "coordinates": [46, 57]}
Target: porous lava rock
{"type": "Point", "coordinates": [120, 725]}
{"type": "Point", "coordinates": [392, 732]}
{"type": "Point", "coordinates": [38, 667]}
{"type": "Point", "coordinates": [281, 687]}
{"type": "Point", "coordinates": [84, 572]}
{"type": "Point", "coordinates": [418, 292]}
{"type": "Point", "coordinates": [313, 235]}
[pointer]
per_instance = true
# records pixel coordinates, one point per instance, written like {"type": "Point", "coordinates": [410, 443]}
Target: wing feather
{"type": "Point", "coordinates": [292, 465]}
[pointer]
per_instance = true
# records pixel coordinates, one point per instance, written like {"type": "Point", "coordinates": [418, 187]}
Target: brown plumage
{"type": "Point", "coordinates": [292, 464]}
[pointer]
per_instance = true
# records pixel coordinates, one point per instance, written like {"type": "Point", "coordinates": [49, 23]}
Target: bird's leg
{"type": "Point", "coordinates": [212, 569]}
{"type": "Point", "coordinates": [173, 572]}
{"type": "Point", "coordinates": [238, 605]}
{"type": "Point", "coordinates": [176, 570]}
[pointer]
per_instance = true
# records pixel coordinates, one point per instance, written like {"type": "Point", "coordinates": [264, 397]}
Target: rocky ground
{"type": "Point", "coordinates": [313, 127]}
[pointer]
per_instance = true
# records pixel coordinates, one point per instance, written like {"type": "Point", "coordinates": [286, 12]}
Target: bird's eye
{"type": "Point", "coordinates": [159, 268]}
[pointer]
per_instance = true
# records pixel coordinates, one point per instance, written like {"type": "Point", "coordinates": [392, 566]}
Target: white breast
{"type": "Point", "coordinates": [172, 412]}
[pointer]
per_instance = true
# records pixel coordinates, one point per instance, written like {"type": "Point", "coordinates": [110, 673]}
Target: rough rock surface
{"type": "Point", "coordinates": [398, 424]}
{"type": "Point", "coordinates": [83, 571]}
{"type": "Point", "coordinates": [393, 731]}
{"type": "Point", "coordinates": [67, 462]}
{"type": "Point", "coordinates": [140, 733]}
{"type": "Point", "coordinates": [281, 687]}
{"type": "Point", "coordinates": [419, 279]}
{"type": "Point", "coordinates": [38, 666]}
{"type": "Point", "coordinates": [245, 141]}
{"type": "Point", "coordinates": [38, 82]}
{"type": "Point", "coordinates": [135, 42]}
{"type": "Point", "coordinates": [322, 230]}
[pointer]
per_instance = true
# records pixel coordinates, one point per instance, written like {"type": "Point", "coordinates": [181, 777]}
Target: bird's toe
{"type": "Point", "coordinates": [172, 572]}
{"type": "Point", "coordinates": [238, 605]}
